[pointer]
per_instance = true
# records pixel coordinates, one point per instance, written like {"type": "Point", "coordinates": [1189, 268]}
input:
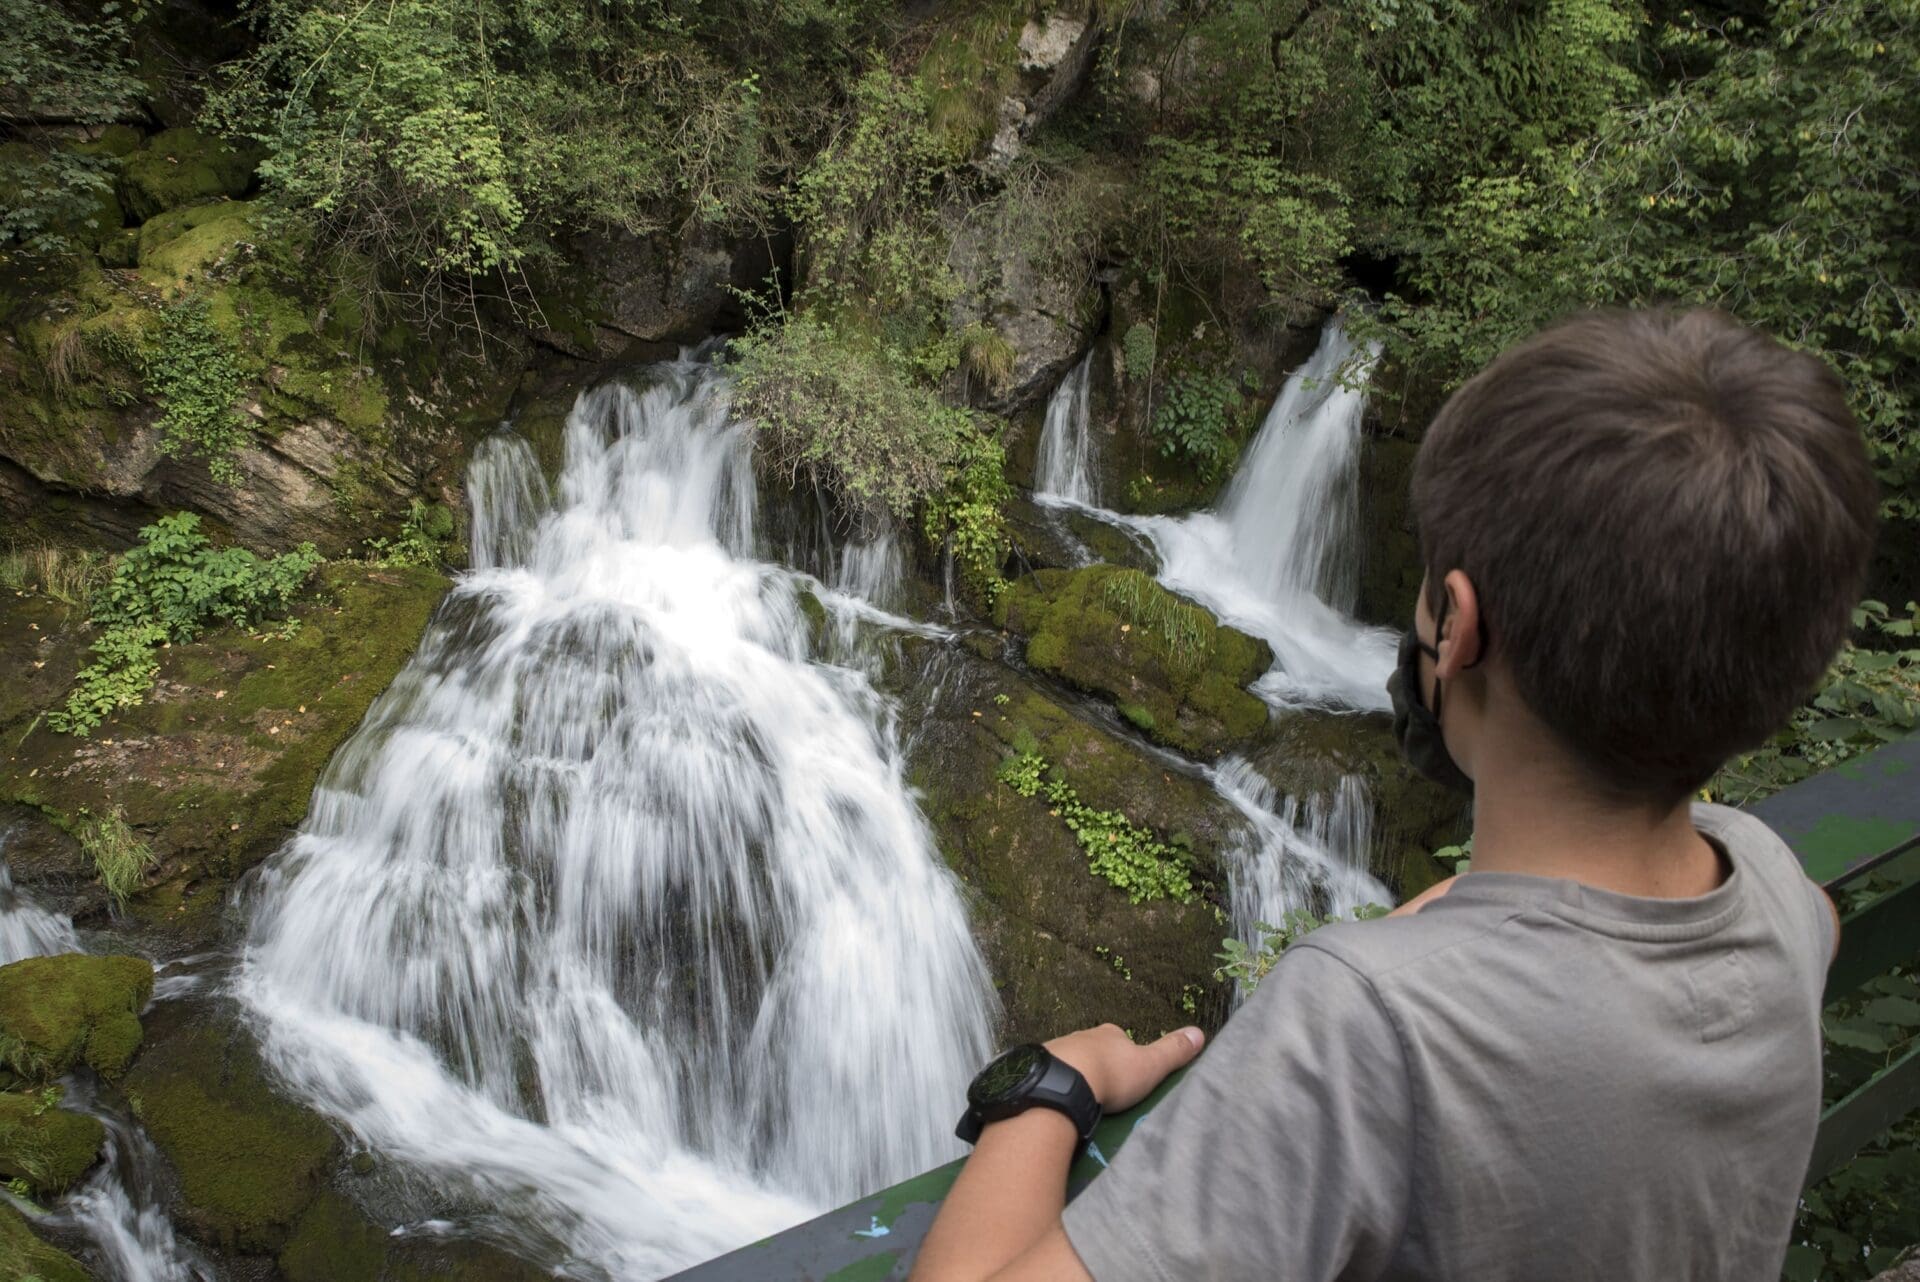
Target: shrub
{"type": "Point", "coordinates": [968, 515]}
{"type": "Point", "coordinates": [119, 856]}
{"type": "Point", "coordinates": [1197, 420]}
{"type": "Point", "coordinates": [169, 588]}
{"type": "Point", "coordinates": [847, 415]}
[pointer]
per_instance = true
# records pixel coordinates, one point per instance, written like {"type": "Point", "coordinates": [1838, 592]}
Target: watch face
{"type": "Point", "coordinates": [1007, 1076]}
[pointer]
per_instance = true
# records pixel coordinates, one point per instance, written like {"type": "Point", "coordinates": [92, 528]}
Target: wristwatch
{"type": "Point", "coordinates": [1025, 1077]}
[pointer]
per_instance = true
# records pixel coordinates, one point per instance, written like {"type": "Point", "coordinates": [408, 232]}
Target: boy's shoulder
{"type": "Point", "coordinates": [1767, 899]}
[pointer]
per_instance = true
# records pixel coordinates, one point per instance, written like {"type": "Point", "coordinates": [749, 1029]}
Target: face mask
{"type": "Point", "coordinates": [1417, 729]}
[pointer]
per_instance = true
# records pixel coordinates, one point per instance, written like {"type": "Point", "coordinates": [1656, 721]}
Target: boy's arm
{"type": "Point", "coordinates": [1002, 1219]}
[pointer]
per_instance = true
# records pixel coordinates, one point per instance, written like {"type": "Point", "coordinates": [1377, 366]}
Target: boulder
{"type": "Point", "coordinates": [249, 1160]}
{"type": "Point", "coordinates": [1169, 666]}
{"type": "Point", "coordinates": [622, 295]}
{"type": "Point", "coordinates": [335, 1242]}
{"type": "Point", "coordinates": [45, 1145]}
{"type": "Point", "coordinates": [24, 1256]}
{"type": "Point", "coordinates": [1045, 316]}
{"type": "Point", "coordinates": [56, 1012]}
{"type": "Point", "coordinates": [179, 167]}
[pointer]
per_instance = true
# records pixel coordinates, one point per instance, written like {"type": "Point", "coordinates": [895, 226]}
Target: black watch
{"type": "Point", "coordinates": [1027, 1077]}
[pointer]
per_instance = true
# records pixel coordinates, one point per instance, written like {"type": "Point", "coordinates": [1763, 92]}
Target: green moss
{"type": "Point", "coordinates": [181, 167]}
{"type": "Point", "coordinates": [334, 1243]}
{"type": "Point", "coordinates": [249, 1160]}
{"type": "Point", "coordinates": [44, 1144]}
{"type": "Point", "coordinates": [1173, 670]}
{"type": "Point", "coordinates": [56, 1012]}
{"type": "Point", "coordinates": [24, 1256]}
{"type": "Point", "coordinates": [182, 244]}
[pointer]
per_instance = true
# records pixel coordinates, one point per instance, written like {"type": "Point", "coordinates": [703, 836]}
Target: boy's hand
{"type": "Point", "coordinates": [1121, 1073]}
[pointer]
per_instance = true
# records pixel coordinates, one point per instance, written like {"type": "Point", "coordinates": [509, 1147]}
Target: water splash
{"type": "Point", "coordinates": [1063, 465]}
{"type": "Point", "coordinates": [26, 929]}
{"type": "Point", "coordinates": [616, 911]}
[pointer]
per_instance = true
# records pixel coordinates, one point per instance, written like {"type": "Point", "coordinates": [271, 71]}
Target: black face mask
{"type": "Point", "coordinates": [1416, 728]}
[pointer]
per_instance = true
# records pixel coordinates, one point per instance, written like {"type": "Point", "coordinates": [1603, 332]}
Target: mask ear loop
{"type": "Point", "coordinates": [1433, 651]}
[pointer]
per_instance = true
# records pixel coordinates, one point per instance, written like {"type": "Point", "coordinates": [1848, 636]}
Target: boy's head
{"type": "Point", "coordinates": [1666, 519]}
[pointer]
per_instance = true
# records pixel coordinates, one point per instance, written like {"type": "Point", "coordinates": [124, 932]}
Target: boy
{"type": "Point", "coordinates": [1597, 1055]}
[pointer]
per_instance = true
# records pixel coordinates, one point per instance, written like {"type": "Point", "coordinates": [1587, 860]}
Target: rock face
{"type": "Point", "coordinates": [1169, 666]}
{"type": "Point", "coordinates": [179, 167]}
{"type": "Point", "coordinates": [1390, 572]}
{"type": "Point", "coordinates": [341, 432]}
{"type": "Point", "coordinates": [216, 766]}
{"type": "Point", "coordinates": [56, 1012]}
{"type": "Point", "coordinates": [1045, 316]}
{"type": "Point", "coordinates": [641, 296]}
{"type": "Point", "coordinates": [1066, 949]}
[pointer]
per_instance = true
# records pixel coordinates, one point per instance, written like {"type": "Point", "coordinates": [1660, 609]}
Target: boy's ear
{"type": "Point", "coordinates": [1459, 641]}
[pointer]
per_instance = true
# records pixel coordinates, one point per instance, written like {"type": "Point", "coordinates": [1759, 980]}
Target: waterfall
{"type": "Point", "coordinates": [616, 912]}
{"type": "Point", "coordinates": [26, 929]}
{"type": "Point", "coordinates": [1063, 466]}
{"type": "Point", "coordinates": [1288, 860]}
{"type": "Point", "coordinates": [1276, 558]}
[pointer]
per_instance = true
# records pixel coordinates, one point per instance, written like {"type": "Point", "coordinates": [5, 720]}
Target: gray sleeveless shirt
{"type": "Point", "coordinates": [1529, 1079]}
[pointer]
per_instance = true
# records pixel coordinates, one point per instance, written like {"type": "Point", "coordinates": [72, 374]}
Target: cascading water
{"type": "Point", "coordinates": [1063, 464]}
{"type": "Point", "coordinates": [616, 911]}
{"type": "Point", "coordinates": [1275, 558]}
{"type": "Point", "coordinates": [26, 929]}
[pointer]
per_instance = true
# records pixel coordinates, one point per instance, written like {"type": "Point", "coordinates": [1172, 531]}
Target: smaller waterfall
{"type": "Point", "coordinates": [118, 1207]}
{"type": "Point", "coordinates": [28, 930]}
{"type": "Point", "coordinates": [1288, 859]}
{"type": "Point", "coordinates": [1276, 557]}
{"type": "Point", "coordinates": [1063, 467]}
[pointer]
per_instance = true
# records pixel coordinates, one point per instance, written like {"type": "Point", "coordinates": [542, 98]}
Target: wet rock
{"type": "Point", "coordinates": [56, 1012]}
{"type": "Point", "coordinates": [249, 1160]}
{"type": "Point", "coordinates": [24, 1256]}
{"type": "Point", "coordinates": [45, 1145]}
{"type": "Point", "coordinates": [623, 295]}
{"type": "Point", "coordinates": [1066, 948]}
{"type": "Point", "coordinates": [1171, 669]}
{"type": "Point", "coordinates": [1046, 538]}
{"type": "Point", "coordinates": [334, 1242]}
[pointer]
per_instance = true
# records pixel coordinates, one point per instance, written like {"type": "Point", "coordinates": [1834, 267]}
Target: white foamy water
{"type": "Point", "coordinates": [1292, 857]}
{"type": "Point", "coordinates": [26, 929]}
{"type": "Point", "coordinates": [118, 1207]}
{"type": "Point", "coordinates": [616, 912]}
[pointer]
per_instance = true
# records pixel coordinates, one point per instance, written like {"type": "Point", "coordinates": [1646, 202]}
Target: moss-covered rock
{"type": "Point", "coordinates": [1390, 569]}
{"type": "Point", "coordinates": [1066, 948]}
{"type": "Point", "coordinates": [334, 1242]}
{"type": "Point", "coordinates": [1170, 667]}
{"type": "Point", "coordinates": [179, 167]}
{"type": "Point", "coordinates": [249, 1160]}
{"type": "Point", "coordinates": [217, 765]}
{"type": "Point", "coordinates": [24, 1256]}
{"type": "Point", "coordinates": [44, 1144]}
{"type": "Point", "coordinates": [56, 1012]}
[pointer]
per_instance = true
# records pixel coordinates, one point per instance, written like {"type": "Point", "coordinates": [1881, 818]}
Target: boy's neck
{"type": "Point", "coordinates": [1534, 817]}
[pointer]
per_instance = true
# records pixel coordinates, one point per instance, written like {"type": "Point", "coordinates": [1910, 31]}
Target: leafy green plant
{"type": "Point", "coordinates": [1247, 966]}
{"type": "Point", "coordinates": [168, 588]}
{"type": "Point", "coordinates": [118, 855]}
{"type": "Point", "coordinates": [198, 378]}
{"type": "Point", "coordinates": [1128, 857]}
{"type": "Point", "coordinates": [422, 539]}
{"type": "Point", "coordinates": [967, 516]}
{"type": "Point", "coordinates": [1197, 420]}
{"type": "Point", "coordinates": [1137, 349]}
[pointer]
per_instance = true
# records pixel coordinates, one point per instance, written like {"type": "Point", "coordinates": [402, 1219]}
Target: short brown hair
{"type": "Point", "coordinates": [1667, 518]}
